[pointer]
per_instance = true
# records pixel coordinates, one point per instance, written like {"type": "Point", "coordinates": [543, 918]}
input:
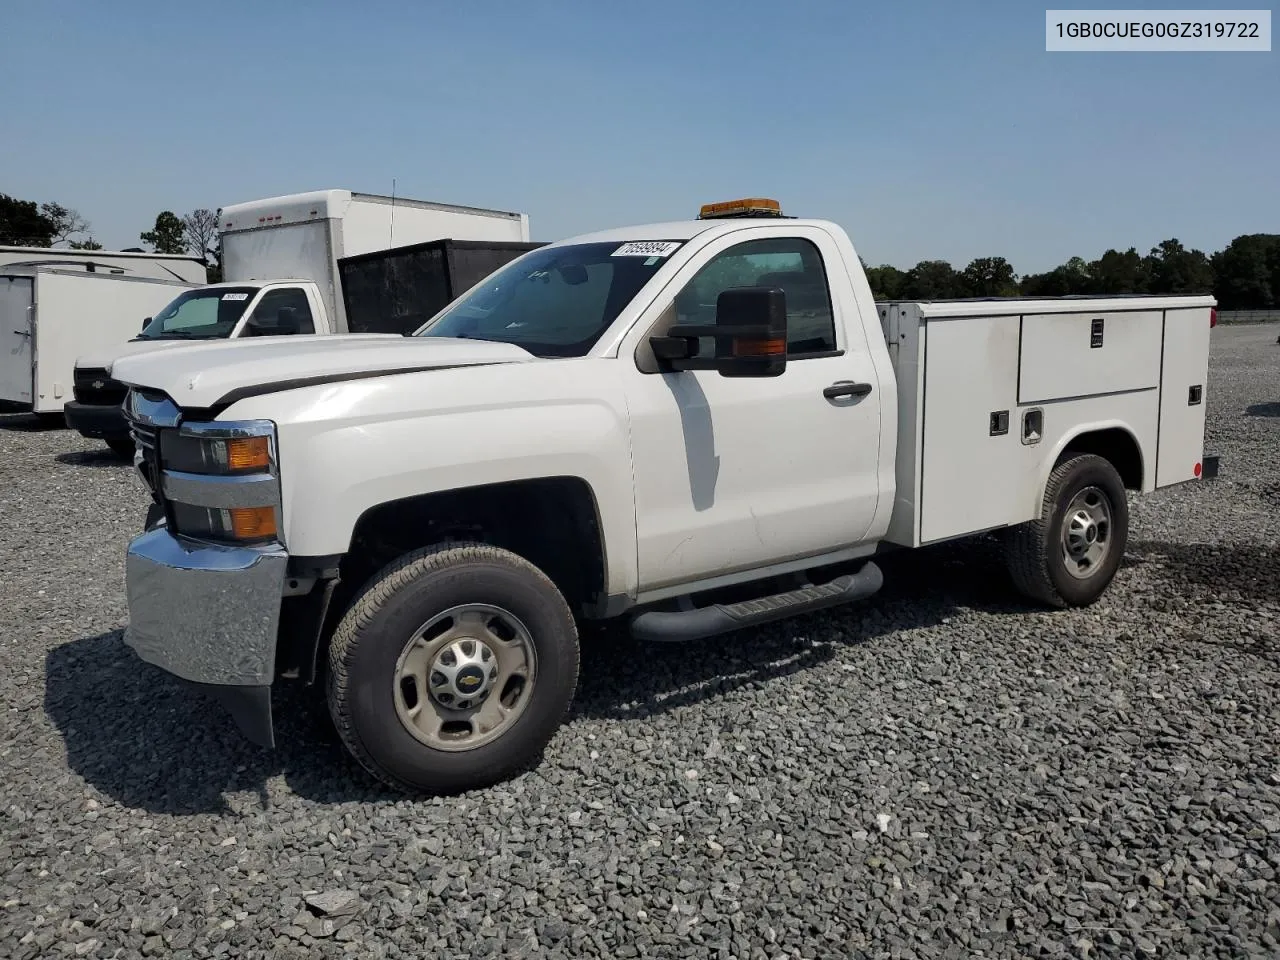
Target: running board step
{"type": "Point", "coordinates": [676, 625]}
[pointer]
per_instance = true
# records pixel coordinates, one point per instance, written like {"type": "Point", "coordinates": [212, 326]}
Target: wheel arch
{"type": "Point", "coordinates": [553, 522]}
{"type": "Point", "coordinates": [1114, 441]}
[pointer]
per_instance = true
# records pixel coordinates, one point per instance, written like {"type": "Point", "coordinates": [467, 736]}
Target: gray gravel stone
{"type": "Point", "coordinates": [1099, 783]}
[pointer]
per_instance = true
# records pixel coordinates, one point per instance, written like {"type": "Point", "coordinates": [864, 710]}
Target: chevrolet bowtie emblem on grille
{"type": "Point", "coordinates": [98, 384]}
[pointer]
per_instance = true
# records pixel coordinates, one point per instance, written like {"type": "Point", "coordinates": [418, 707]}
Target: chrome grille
{"type": "Point", "coordinates": [146, 455]}
{"type": "Point", "coordinates": [144, 436]}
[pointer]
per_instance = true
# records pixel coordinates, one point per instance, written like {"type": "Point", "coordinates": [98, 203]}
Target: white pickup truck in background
{"type": "Point", "coordinates": [390, 291]}
{"type": "Point", "coordinates": [698, 426]}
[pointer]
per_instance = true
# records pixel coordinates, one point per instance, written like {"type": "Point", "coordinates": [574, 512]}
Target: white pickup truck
{"type": "Point", "coordinates": [697, 426]}
{"type": "Point", "coordinates": [216, 311]}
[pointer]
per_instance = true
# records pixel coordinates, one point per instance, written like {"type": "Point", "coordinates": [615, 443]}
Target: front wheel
{"type": "Point", "coordinates": [1068, 556]}
{"type": "Point", "coordinates": [453, 669]}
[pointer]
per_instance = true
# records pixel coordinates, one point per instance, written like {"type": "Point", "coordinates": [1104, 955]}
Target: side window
{"type": "Point", "coordinates": [793, 264]}
{"type": "Point", "coordinates": [280, 312]}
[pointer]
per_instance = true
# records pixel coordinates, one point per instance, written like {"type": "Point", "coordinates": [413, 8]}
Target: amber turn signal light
{"type": "Point", "coordinates": [775, 347]}
{"type": "Point", "coordinates": [253, 523]}
{"type": "Point", "coordinates": [248, 453]}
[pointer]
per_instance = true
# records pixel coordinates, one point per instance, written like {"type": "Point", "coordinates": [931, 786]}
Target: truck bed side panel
{"type": "Point", "coordinates": [1185, 366]}
{"type": "Point", "coordinates": [969, 459]}
{"type": "Point", "coordinates": [982, 465]}
{"type": "Point", "coordinates": [1068, 355]}
{"type": "Point", "coordinates": [971, 479]}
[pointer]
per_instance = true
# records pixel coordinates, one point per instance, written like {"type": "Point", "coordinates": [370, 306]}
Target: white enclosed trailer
{"type": "Point", "coordinates": [302, 236]}
{"type": "Point", "coordinates": [117, 263]}
{"type": "Point", "coordinates": [49, 316]}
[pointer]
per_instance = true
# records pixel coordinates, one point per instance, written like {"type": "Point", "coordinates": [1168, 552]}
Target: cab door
{"type": "Point", "coordinates": [733, 474]}
{"type": "Point", "coordinates": [281, 311]}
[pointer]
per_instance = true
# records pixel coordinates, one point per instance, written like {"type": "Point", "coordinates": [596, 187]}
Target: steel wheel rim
{"type": "Point", "coordinates": [465, 676]}
{"type": "Point", "coordinates": [1086, 533]}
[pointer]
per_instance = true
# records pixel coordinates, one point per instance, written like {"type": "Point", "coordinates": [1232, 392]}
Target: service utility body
{"type": "Point", "coordinates": [692, 426]}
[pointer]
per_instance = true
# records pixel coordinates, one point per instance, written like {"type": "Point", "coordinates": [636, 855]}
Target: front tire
{"type": "Point", "coordinates": [453, 669]}
{"type": "Point", "coordinates": [1068, 556]}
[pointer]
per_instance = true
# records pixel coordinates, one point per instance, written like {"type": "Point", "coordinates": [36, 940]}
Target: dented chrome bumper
{"type": "Point", "coordinates": [209, 615]}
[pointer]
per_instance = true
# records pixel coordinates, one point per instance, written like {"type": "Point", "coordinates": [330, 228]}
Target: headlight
{"type": "Point", "coordinates": [220, 481]}
{"type": "Point", "coordinates": [215, 455]}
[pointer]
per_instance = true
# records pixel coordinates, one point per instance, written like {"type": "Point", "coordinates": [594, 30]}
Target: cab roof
{"type": "Point", "coordinates": [683, 229]}
{"type": "Point", "coordinates": [253, 283]}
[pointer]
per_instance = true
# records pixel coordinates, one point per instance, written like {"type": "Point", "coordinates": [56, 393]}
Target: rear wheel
{"type": "Point", "coordinates": [453, 669]}
{"type": "Point", "coordinates": [1068, 556]}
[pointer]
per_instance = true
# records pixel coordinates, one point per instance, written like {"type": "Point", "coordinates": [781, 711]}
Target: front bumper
{"type": "Point", "coordinates": [209, 615]}
{"type": "Point", "coordinates": [96, 420]}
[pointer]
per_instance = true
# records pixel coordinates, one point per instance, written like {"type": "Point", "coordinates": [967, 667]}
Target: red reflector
{"type": "Point", "coordinates": [1213, 316]}
{"type": "Point", "coordinates": [1198, 469]}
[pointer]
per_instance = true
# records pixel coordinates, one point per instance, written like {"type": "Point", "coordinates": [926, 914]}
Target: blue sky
{"type": "Point", "coordinates": [927, 130]}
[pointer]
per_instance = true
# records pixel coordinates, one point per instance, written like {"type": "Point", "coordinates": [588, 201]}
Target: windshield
{"type": "Point", "coordinates": [557, 301]}
{"type": "Point", "coordinates": [201, 314]}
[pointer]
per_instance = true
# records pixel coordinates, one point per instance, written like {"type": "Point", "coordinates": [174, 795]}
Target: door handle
{"type": "Point", "coordinates": [846, 388]}
{"type": "Point", "coordinates": [23, 333]}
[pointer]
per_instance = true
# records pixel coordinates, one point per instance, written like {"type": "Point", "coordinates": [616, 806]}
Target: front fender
{"type": "Point", "coordinates": [346, 448]}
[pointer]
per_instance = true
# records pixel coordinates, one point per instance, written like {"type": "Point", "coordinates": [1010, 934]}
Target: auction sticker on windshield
{"type": "Point", "coordinates": [647, 248]}
{"type": "Point", "coordinates": [235, 296]}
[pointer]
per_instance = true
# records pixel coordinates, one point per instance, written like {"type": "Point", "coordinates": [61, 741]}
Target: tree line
{"type": "Point", "coordinates": [1244, 275]}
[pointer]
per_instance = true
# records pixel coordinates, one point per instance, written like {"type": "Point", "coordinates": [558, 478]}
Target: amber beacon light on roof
{"type": "Point", "coordinates": [749, 207]}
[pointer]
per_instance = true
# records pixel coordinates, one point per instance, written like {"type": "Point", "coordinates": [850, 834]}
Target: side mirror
{"type": "Point", "coordinates": [145, 321]}
{"type": "Point", "coordinates": [750, 334]}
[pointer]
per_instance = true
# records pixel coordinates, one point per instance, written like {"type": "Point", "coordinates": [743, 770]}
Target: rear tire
{"type": "Point", "coordinates": [121, 446]}
{"type": "Point", "coordinates": [1068, 556]}
{"type": "Point", "coordinates": [400, 657]}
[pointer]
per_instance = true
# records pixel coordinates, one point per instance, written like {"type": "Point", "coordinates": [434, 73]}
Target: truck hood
{"type": "Point", "coordinates": [212, 373]}
{"type": "Point", "coordinates": [104, 357]}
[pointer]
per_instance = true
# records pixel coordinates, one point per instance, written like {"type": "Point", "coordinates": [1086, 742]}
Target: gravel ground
{"type": "Point", "coordinates": [940, 772]}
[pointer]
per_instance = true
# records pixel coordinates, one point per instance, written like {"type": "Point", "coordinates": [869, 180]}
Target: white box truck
{"type": "Point", "coordinates": [699, 426]}
{"type": "Point", "coordinates": [50, 315]}
{"type": "Point", "coordinates": [304, 235]}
